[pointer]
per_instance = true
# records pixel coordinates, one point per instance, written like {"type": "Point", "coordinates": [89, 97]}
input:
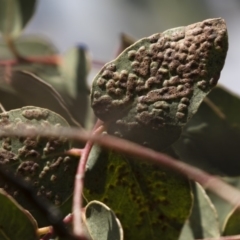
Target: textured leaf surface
{"type": "Point", "coordinates": [15, 222]}
{"type": "Point", "coordinates": [14, 15]}
{"type": "Point", "coordinates": [150, 202]}
{"type": "Point", "coordinates": [203, 222]}
{"type": "Point", "coordinates": [211, 140]}
{"type": "Point", "coordinates": [101, 222]}
{"type": "Point", "coordinates": [38, 161]}
{"type": "Point", "coordinates": [231, 226]}
{"type": "Point", "coordinates": [155, 86]}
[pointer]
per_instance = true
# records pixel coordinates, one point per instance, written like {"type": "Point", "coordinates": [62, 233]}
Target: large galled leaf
{"type": "Point", "coordinates": [15, 222]}
{"type": "Point", "coordinates": [211, 139]}
{"type": "Point", "coordinates": [101, 222]}
{"type": "Point", "coordinates": [155, 86]}
{"type": "Point", "coordinates": [39, 161]}
{"type": "Point", "coordinates": [151, 203]}
{"type": "Point", "coordinates": [203, 221]}
{"type": "Point", "coordinates": [14, 15]}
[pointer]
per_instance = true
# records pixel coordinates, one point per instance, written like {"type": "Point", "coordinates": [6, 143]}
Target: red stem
{"type": "Point", "coordinates": [79, 184]}
{"type": "Point", "coordinates": [49, 60]}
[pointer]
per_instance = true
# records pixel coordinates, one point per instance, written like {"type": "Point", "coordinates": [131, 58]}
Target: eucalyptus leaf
{"type": "Point", "coordinates": [35, 91]}
{"type": "Point", "coordinates": [150, 202]}
{"type": "Point", "coordinates": [75, 68]}
{"type": "Point", "coordinates": [224, 209]}
{"type": "Point", "coordinates": [39, 161]}
{"type": "Point", "coordinates": [186, 233]}
{"type": "Point", "coordinates": [28, 45]}
{"type": "Point", "coordinates": [231, 225]}
{"type": "Point", "coordinates": [67, 74]}
{"type": "Point", "coordinates": [101, 222]}
{"type": "Point", "coordinates": [43, 59]}
{"type": "Point", "coordinates": [156, 85]}
{"type": "Point", "coordinates": [203, 221]}
{"type": "Point", "coordinates": [15, 222]}
{"type": "Point", "coordinates": [210, 140]}
{"type": "Point", "coordinates": [14, 15]}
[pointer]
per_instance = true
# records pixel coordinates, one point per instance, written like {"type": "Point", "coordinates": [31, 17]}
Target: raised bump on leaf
{"type": "Point", "coordinates": [157, 84]}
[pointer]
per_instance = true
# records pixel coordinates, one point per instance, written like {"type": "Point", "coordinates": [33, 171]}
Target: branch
{"type": "Point", "coordinates": [214, 184]}
{"type": "Point", "coordinates": [79, 183]}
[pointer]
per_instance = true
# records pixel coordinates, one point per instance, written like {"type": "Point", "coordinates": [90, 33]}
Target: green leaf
{"type": "Point", "coordinates": [14, 15]}
{"type": "Point", "coordinates": [186, 233]}
{"type": "Point", "coordinates": [75, 68]}
{"type": "Point", "coordinates": [156, 85]}
{"type": "Point", "coordinates": [67, 74]}
{"type": "Point", "coordinates": [38, 50]}
{"type": "Point", "coordinates": [101, 222]}
{"type": "Point", "coordinates": [231, 225]}
{"type": "Point", "coordinates": [150, 202]}
{"type": "Point", "coordinates": [39, 161]}
{"type": "Point", "coordinates": [28, 45]}
{"type": "Point", "coordinates": [210, 140]}
{"type": "Point", "coordinates": [224, 208]}
{"type": "Point", "coordinates": [15, 222]}
{"type": "Point", "coordinates": [35, 91]}
{"type": "Point", "coordinates": [203, 220]}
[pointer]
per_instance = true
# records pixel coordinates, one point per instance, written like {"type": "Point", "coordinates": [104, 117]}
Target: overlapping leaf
{"type": "Point", "coordinates": [231, 225]}
{"type": "Point", "coordinates": [35, 91]}
{"type": "Point", "coordinates": [203, 221]}
{"type": "Point", "coordinates": [101, 222]}
{"type": "Point", "coordinates": [65, 73]}
{"type": "Point", "coordinates": [15, 222]}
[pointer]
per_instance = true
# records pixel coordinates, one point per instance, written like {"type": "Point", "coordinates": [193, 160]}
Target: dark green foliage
{"type": "Point", "coordinates": [157, 201]}
{"type": "Point", "coordinates": [15, 222]}
{"type": "Point", "coordinates": [210, 140]}
{"type": "Point", "coordinates": [231, 226]}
